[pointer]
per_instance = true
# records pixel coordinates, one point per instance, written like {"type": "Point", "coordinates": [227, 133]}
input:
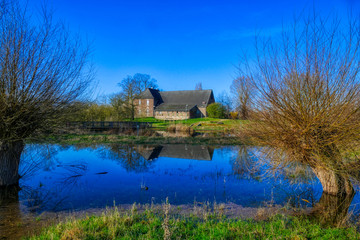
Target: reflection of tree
{"type": "Point", "coordinates": [10, 213]}
{"type": "Point", "coordinates": [12, 218]}
{"type": "Point", "coordinates": [128, 157]}
{"type": "Point", "coordinates": [42, 157]}
{"type": "Point", "coordinates": [9, 195]}
{"type": "Point", "coordinates": [243, 164]}
{"type": "Point", "coordinates": [333, 209]}
{"type": "Point", "coordinates": [338, 191]}
{"type": "Point", "coordinates": [36, 157]}
{"type": "Point", "coordinates": [36, 199]}
{"type": "Point", "coordinates": [73, 173]}
{"type": "Point", "coordinates": [39, 199]}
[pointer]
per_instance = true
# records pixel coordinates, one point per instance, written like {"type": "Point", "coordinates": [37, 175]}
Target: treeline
{"type": "Point", "coordinates": [121, 106]}
{"type": "Point", "coordinates": [92, 111]}
{"type": "Point", "coordinates": [116, 107]}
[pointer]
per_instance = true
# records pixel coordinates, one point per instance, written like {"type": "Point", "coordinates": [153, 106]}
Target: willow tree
{"type": "Point", "coordinates": [307, 95]}
{"type": "Point", "coordinates": [43, 70]}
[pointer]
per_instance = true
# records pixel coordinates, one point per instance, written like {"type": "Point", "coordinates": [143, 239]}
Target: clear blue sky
{"type": "Point", "coordinates": [177, 42]}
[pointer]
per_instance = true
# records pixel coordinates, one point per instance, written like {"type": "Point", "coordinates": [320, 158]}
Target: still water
{"type": "Point", "coordinates": [71, 178]}
{"type": "Point", "coordinates": [67, 178]}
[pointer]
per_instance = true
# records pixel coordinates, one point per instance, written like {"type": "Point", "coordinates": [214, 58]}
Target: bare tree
{"type": "Point", "coordinates": [43, 70]}
{"type": "Point", "coordinates": [117, 104]}
{"type": "Point", "coordinates": [225, 100]}
{"type": "Point", "coordinates": [198, 86]}
{"type": "Point", "coordinates": [144, 81]}
{"type": "Point", "coordinates": [241, 90]}
{"type": "Point", "coordinates": [308, 89]}
{"type": "Point", "coordinates": [131, 87]}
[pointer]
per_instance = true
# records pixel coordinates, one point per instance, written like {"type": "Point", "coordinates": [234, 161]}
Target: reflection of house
{"type": "Point", "coordinates": [173, 105]}
{"type": "Point", "coordinates": [184, 151]}
{"type": "Point", "coordinates": [148, 152]}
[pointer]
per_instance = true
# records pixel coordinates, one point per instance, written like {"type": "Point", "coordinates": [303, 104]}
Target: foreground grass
{"type": "Point", "coordinates": [114, 224]}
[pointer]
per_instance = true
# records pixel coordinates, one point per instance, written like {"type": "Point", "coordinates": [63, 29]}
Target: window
{"type": "Point", "coordinates": [147, 110]}
{"type": "Point", "coordinates": [139, 101]}
{"type": "Point", "coordinates": [147, 102]}
{"type": "Point", "coordinates": [139, 111]}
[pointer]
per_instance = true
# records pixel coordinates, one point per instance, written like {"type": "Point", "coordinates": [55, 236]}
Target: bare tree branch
{"type": "Point", "coordinates": [43, 70]}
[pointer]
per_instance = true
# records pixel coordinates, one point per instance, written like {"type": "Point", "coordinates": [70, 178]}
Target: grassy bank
{"type": "Point", "coordinates": [114, 224]}
{"type": "Point", "coordinates": [211, 139]}
{"type": "Point", "coordinates": [210, 131]}
{"type": "Point", "coordinates": [198, 124]}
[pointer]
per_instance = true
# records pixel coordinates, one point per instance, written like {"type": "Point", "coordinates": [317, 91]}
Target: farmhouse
{"type": "Point", "coordinates": [173, 105]}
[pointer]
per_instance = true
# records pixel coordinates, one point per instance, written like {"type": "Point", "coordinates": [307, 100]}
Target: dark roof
{"type": "Point", "coordinates": [177, 100]}
{"type": "Point", "coordinates": [190, 97]}
{"type": "Point", "coordinates": [149, 93]}
{"type": "Point", "coordinates": [175, 107]}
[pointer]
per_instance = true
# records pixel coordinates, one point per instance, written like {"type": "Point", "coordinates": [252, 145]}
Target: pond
{"type": "Point", "coordinates": [70, 178]}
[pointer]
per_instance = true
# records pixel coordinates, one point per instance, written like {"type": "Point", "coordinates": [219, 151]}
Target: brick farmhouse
{"type": "Point", "coordinates": [173, 105]}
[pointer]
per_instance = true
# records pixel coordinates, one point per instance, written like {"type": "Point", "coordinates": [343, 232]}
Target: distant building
{"type": "Point", "coordinates": [173, 105]}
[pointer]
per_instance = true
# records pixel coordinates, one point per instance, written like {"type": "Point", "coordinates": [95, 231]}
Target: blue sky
{"type": "Point", "coordinates": [179, 43]}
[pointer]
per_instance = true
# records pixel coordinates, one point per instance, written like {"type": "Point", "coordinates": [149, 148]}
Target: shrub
{"type": "Point", "coordinates": [234, 115]}
{"type": "Point", "coordinates": [216, 110]}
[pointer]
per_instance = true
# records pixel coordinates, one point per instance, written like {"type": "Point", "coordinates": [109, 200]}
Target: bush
{"type": "Point", "coordinates": [234, 115]}
{"type": "Point", "coordinates": [216, 110]}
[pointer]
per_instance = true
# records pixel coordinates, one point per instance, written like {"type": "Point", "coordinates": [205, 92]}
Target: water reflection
{"type": "Point", "coordinates": [57, 178]}
{"type": "Point", "coordinates": [333, 209]}
{"type": "Point", "coordinates": [338, 193]}
{"type": "Point", "coordinates": [128, 157]}
{"type": "Point", "coordinates": [10, 213]}
{"type": "Point", "coordinates": [183, 151]}
{"type": "Point", "coordinates": [244, 163]}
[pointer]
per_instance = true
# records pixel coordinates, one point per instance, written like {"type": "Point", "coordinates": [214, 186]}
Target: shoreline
{"type": "Point", "coordinates": [101, 138]}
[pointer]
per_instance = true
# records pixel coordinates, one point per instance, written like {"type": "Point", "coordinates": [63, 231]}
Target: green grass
{"type": "Point", "coordinates": [207, 124]}
{"type": "Point", "coordinates": [216, 134]}
{"type": "Point", "coordinates": [149, 224]}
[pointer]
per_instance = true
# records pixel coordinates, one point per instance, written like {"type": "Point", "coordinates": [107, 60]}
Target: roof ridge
{"type": "Point", "coordinates": [187, 90]}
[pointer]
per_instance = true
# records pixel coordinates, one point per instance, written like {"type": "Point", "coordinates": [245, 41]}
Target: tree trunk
{"type": "Point", "coordinates": [10, 153]}
{"type": "Point", "coordinates": [333, 183]}
{"type": "Point", "coordinates": [338, 193]}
